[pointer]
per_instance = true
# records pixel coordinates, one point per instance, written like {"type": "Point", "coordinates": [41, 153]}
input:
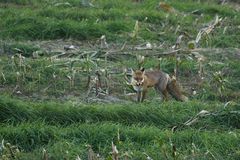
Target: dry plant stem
{"type": "Point", "coordinates": [91, 154]}
{"type": "Point", "coordinates": [195, 119]}
{"type": "Point", "coordinates": [98, 84]}
{"type": "Point", "coordinates": [45, 155]}
{"type": "Point", "coordinates": [89, 89]}
{"type": "Point", "coordinates": [176, 65]}
{"type": "Point", "coordinates": [3, 76]}
{"type": "Point", "coordinates": [88, 81]}
{"type": "Point", "coordinates": [174, 151]}
{"type": "Point", "coordinates": [124, 45]}
{"type": "Point", "coordinates": [97, 87]}
{"type": "Point", "coordinates": [99, 79]}
{"type": "Point", "coordinates": [114, 152]}
{"type": "Point", "coordinates": [15, 89]}
{"type": "Point", "coordinates": [176, 47]}
{"type": "Point", "coordinates": [200, 72]}
{"type": "Point", "coordinates": [107, 79]}
{"type": "Point", "coordinates": [11, 151]}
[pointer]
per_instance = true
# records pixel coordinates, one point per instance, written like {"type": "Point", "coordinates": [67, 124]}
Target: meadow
{"type": "Point", "coordinates": [64, 69]}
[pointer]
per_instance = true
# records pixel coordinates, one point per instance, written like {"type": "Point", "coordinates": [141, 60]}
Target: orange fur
{"type": "Point", "coordinates": [161, 81]}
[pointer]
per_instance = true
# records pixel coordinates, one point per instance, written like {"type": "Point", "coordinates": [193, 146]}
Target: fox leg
{"type": "Point", "coordinates": [143, 95]}
{"type": "Point", "coordinates": [165, 95]}
{"type": "Point", "coordinates": [139, 93]}
{"type": "Point", "coordinates": [163, 92]}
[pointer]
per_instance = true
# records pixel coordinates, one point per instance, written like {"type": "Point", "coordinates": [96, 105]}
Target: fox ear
{"type": "Point", "coordinates": [142, 69]}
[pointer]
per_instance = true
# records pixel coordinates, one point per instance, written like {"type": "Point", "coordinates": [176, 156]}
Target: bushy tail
{"type": "Point", "coordinates": [174, 89]}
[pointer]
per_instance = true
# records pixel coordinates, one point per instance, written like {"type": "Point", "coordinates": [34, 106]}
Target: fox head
{"type": "Point", "coordinates": [138, 77]}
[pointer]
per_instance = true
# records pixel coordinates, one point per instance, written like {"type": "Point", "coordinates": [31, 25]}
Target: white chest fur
{"type": "Point", "coordinates": [138, 88]}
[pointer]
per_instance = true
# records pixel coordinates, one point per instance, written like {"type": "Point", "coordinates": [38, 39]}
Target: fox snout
{"type": "Point", "coordinates": [138, 83]}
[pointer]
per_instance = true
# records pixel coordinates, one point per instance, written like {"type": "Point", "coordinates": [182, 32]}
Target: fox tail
{"type": "Point", "coordinates": [174, 89]}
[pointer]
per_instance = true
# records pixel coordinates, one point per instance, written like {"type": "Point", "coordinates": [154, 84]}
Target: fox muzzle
{"type": "Point", "coordinates": [138, 83]}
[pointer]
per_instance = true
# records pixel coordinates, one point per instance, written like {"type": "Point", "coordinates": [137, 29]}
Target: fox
{"type": "Point", "coordinates": [142, 80]}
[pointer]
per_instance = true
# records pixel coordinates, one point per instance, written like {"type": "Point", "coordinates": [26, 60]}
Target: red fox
{"type": "Point", "coordinates": [142, 80]}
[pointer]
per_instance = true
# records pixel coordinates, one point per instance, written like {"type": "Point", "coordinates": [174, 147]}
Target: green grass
{"type": "Point", "coordinates": [163, 115]}
{"type": "Point", "coordinates": [113, 19]}
{"type": "Point", "coordinates": [142, 127]}
{"type": "Point", "coordinates": [133, 139]}
{"type": "Point", "coordinates": [40, 109]}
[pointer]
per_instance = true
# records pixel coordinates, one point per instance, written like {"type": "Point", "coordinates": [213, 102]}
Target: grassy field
{"type": "Point", "coordinates": [63, 91]}
{"type": "Point", "coordinates": [135, 129]}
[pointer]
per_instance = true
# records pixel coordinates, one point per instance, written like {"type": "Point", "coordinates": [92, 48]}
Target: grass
{"type": "Point", "coordinates": [133, 139]}
{"type": "Point", "coordinates": [45, 102]}
{"type": "Point", "coordinates": [162, 115]}
{"type": "Point", "coordinates": [108, 18]}
{"type": "Point", "coordinates": [36, 75]}
{"type": "Point", "coordinates": [53, 125]}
